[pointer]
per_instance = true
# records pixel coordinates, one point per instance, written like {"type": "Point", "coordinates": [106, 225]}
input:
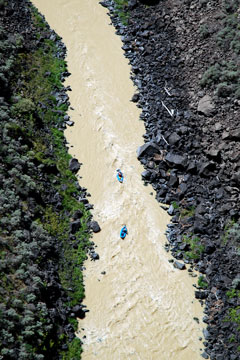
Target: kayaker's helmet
{"type": "Point", "coordinates": [118, 170]}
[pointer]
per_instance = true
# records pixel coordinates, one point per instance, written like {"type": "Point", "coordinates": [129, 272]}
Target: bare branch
{"type": "Point", "coordinates": [167, 91]}
{"type": "Point", "coordinates": [171, 112]}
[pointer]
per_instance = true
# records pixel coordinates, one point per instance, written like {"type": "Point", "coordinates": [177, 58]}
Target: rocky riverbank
{"type": "Point", "coordinates": [45, 223]}
{"type": "Point", "coordinates": [185, 64]}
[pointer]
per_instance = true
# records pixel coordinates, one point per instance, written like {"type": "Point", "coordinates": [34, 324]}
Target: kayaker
{"type": "Point", "coordinates": [123, 232]}
{"type": "Point", "coordinates": [120, 175]}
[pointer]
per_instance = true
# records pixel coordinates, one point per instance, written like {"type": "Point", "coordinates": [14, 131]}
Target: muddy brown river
{"type": "Point", "coordinates": [141, 308]}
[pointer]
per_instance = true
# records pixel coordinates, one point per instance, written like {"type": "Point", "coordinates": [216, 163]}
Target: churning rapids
{"type": "Point", "coordinates": [141, 308]}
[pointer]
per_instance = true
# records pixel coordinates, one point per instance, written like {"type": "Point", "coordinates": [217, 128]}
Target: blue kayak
{"type": "Point", "coordinates": [119, 175]}
{"type": "Point", "coordinates": [123, 232]}
{"type": "Point", "coordinates": [120, 178]}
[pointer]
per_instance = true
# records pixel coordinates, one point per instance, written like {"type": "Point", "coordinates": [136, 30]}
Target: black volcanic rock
{"type": "Point", "coordinates": [179, 265]}
{"type": "Point", "coordinates": [148, 149]}
{"type": "Point", "coordinates": [176, 160]}
{"type": "Point", "coordinates": [95, 226]}
{"type": "Point", "coordinates": [75, 226]}
{"type": "Point", "coordinates": [74, 165]}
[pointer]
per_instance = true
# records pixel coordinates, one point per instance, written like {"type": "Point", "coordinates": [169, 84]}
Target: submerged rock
{"type": "Point", "coordinates": [74, 165]}
{"type": "Point", "coordinates": [94, 256]}
{"type": "Point", "coordinates": [178, 265]}
{"type": "Point", "coordinates": [95, 226]}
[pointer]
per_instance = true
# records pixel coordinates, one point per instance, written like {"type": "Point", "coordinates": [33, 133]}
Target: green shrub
{"type": "Point", "coordinates": [15, 130]}
{"type": "Point", "coordinates": [120, 6]}
{"type": "Point", "coordinates": [234, 316]}
{"type": "Point", "coordinates": [53, 223]}
{"type": "Point", "coordinates": [23, 106]}
{"type": "Point", "coordinates": [74, 350]}
{"type": "Point", "coordinates": [223, 90]}
{"type": "Point", "coordinates": [187, 212]}
{"type": "Point", "coordinates": [233, 293]}
{"type": "Point", "coordinates": [196, 248]}
{"type": "Point", "coordinates": [234, 233]}
{"type": "Point", "coordinates": [230, 5]}
{"type": "Point", "coordinates": [211, 75]}
{"type": "Point", "coordinates": [226, 78]}
{"type": "Point", "coordinates": [204, 31]}
{"type": "Point", "coordinates": [235, 44]}
{"type": "Point", "coordinates": [225, 75]}
{"type": "Point", "coordinates": [175, 205]}
{"type": "Point", "coordinates": [229, 36]}
{"type": "Point", "coordinates": [232, 338]}
{"type": "Point", "coordinates": [202, 282]}
{"type": "Point", "coordinates": [229, 75]}
{"type": "Point", "coordinates": [231, 233]}
{"type": "Point", "coordinates": [19, 41]}
{"type": "Point", "coordinates": [38, 18]}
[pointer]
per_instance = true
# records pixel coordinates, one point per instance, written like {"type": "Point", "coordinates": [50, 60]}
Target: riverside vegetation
{"type": "Point", "coordinates": [44, 213]}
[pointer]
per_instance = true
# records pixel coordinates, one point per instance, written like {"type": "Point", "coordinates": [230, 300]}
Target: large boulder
{"type": "Point", "coordinates": [206, 168]}
{"type": "Point", "coordinates": [176, 160]}
{"type": "Point", "coordinates": [132, 4]}
{"type": "Point", "coordinates": [206, 334]}
{"type": "Point", "coordinates": [94, 256]}
{"type": "Point", "coordinates": [170, 210]}
{"type": "Point", "coordinates": [209, 248]}
{"type": "Point", "coordinates": [75, 226]}
{"type": "Point", "coordinates": [213, 153]}
{"type": "Point", "coordinates": [77, 215]}
{"type": "Point", "coordinates": [103, 3]}
{"type": "Point", "coordinates": [234, 134]}
{"type": "Point", "coordinates": [178, 265]}
{"type": "Point", "coordinates": [201, 295]}
{"type": "Point", "coordinates": [148, 148]}
{"type": "Point", "coordinates": [79, 311]}
{"type": "Point", "coordinates": [173, 181]}
{"type": "Point", "coordinates": [70, 123]}
{"type": "Point", "coordinates": [205, 355]}
{"type": "Point", "coordinates": [236, 282]}
{"type": "Point", "coordinates": [173, 138]}
{"type": "Point", "coordinates": [192, 167]}
{"type": "Point", "coordinates": [95, 227]}
{"type": "Point", "coordinates": [236, 177]}
{"type": "Point", "coordinates": [146, 174]}
{"type": "Point", "coordinates": [199, 226]}
{"type": "Point", "coordinates": [74, 165]}
{"type": "Point", "coordinates": [135, 98]}
{"type": "Point", "coordinates": [206, 105]}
